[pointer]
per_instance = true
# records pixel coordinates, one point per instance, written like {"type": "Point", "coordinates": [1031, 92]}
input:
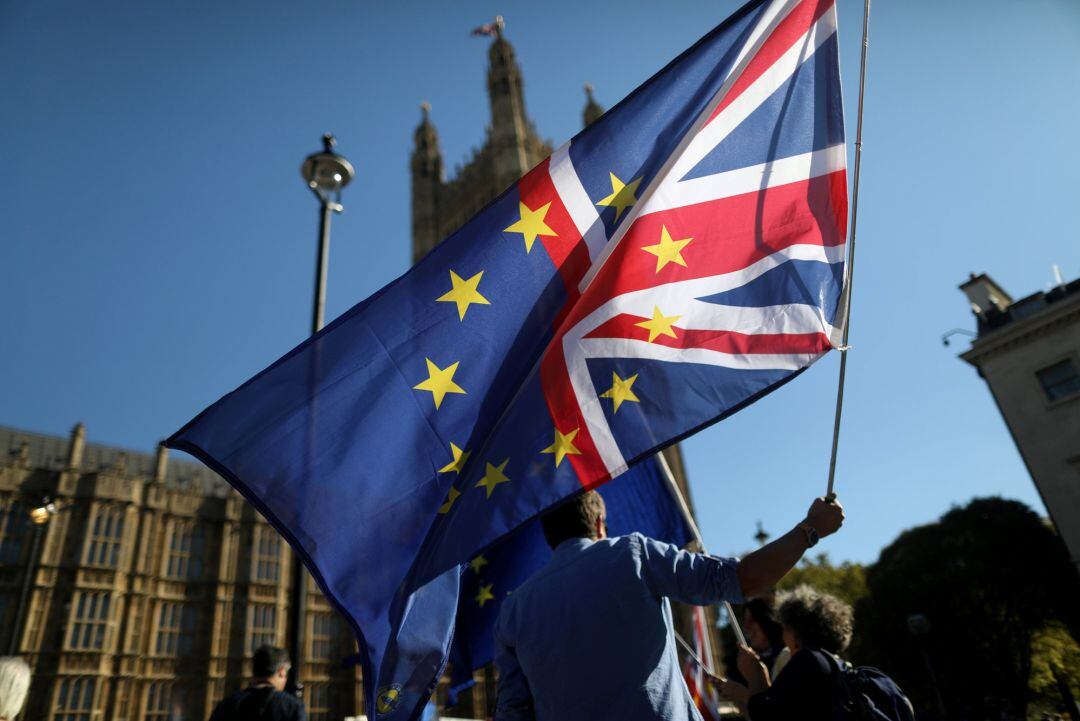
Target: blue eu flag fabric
{"type": "Point", "coordinates": [639, 500]}
{"type": "Point", "coordinates": [675, 261]}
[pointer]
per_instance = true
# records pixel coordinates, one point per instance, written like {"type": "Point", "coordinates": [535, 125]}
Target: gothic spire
{"type": "Point", "coordinates": [593, 110]}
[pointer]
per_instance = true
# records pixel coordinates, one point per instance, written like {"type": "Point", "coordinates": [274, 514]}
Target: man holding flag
{"type": "Point", "coordinates": [679, 259]}
{"type": "Point", "coordinates": [590, 636]}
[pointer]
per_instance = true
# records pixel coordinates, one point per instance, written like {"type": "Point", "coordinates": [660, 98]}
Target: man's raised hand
{"type": "Point", "coordinates": [826, 516]}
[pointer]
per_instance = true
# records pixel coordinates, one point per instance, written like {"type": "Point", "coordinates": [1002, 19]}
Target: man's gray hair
{"type": "Point", "coordinates": [818, 620]}
{"type": "Point", "coordinates": [14, 683]}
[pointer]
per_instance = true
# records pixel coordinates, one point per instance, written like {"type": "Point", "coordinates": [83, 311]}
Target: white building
{"type": "Point", "coordinates": [1028, 352]}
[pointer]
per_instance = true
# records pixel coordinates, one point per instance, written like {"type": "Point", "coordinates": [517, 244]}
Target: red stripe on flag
{"type": "Point", "coordinates": [786, 34]}
{"type": "Point", "coordinates": [570, 255]}
{"type": "Point", "coordinates": [566, 250]}
{"type": "Point", "coordinates": [566, 415]}
{"type": "Point", "coordinates": [727, 235]}
{"type": "Point", "coordinates": [723, 341]}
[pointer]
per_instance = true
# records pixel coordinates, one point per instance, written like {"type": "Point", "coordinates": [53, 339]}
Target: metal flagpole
{"type": "Point", "coordinates": [849, 267]}
{"type": "Point", "coordinates": [689, 518]}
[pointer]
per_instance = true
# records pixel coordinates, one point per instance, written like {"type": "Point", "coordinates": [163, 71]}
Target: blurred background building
{"type": "Point", "coordinates": [1028, 352]}
{"type": "Point", "coordinates": [151, 584]}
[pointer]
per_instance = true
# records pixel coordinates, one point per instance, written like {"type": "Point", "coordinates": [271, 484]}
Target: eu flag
{"type": "Point", "coordinates": [675, 261]}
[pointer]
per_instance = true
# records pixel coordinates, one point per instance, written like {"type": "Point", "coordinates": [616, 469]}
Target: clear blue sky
{"type": "Point", "coordinates": [157, 242]}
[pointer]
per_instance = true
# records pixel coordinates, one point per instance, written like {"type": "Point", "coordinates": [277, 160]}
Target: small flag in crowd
{"type": "Point", "coordinates": [677, 260]}
{"type": "Point", "coordinates": [701, 691]}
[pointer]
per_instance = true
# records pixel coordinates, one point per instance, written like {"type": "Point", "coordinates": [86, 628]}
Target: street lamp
{"type": "Point", "coordinates": [39, 516]}
{"type": "Point", "coordinates": [326, 174]}
{"type": "Point", "coordinates": [762, 536]}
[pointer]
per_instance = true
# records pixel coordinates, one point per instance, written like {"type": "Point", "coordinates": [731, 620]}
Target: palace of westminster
{"type": "Point", "coordinates": [142, 592]}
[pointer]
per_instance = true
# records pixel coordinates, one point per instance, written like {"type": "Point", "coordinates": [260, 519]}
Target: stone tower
{"type": "Point", "coordinates": [511, 147]}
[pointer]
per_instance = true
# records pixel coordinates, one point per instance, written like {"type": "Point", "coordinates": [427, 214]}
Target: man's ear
{"type": "Point", "coordinates": [601, 528]}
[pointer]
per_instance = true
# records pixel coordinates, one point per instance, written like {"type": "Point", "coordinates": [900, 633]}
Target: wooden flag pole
{"type": "Point", "coordinates": [849, 266]}
{"type": "Point", "coordinates": [689, 518]}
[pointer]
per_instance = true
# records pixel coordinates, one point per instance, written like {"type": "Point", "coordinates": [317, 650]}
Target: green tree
{"type": "Point", "coordinates": [846, 581]}
{"type": "Point", "coordinates": [989, 576]}
{"type": "Point", "coordinates": [1054, 655]}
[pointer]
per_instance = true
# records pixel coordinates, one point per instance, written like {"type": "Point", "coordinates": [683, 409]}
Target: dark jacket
{"type": "Point", "coordinates": [806, 689]}
{"type": "Point", "coordinates": [260, 703]}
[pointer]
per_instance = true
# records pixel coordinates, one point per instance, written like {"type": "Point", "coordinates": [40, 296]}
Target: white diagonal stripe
{"type": "Point", "coordinates": [694, 314]}
{"type": "Point", "coordinates": [695, 288]}
{"type": "Point", "coordinates": [629, 348]}
{"type": "Point", "coordinates": [577, 201]}
{"type": "Point", "coordinates": [754, 95]}
{"type": "Point", "coordinates": [754, 178]}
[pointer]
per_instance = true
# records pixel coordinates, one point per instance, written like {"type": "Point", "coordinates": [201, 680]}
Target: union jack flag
{"type": "Point", "coordinates": [701, 691]}
{"type": "Point", "coordinates": [701, 268]}
{"type": "Point", "coordinates": [675, 261]}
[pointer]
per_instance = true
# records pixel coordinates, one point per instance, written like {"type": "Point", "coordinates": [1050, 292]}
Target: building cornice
{"type": "Point", "coordinates": [1020, 332]}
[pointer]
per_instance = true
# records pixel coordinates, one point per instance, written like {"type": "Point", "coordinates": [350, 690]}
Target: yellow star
{"type": "Point", "coordinates": [622, 195]}
{"type": "Point", "coordinates": [464, 293]}
{"type": "Point", "coordinates": [532, 224]}
{"type": "Point", "coordinates": [458, 463]}
{"type": "Point", "coordinates": [563, 446]}
{"type": "Point", "coordinates": [477, 563]}
{"type": "Point", "coordinates": [621, 390]}
{"type": "Point", "coordinates": [484, 594]}
{"type": "Point", "coordinates": [493, 477]}
{"type": "Point", "coordinates": [449, 502]}
{"type": "Point", "coordinates": [659, 325]}
{"type": "Point", "coordinates": [667, 250]}
{"type": "Point", "coordinates": [440, 381]}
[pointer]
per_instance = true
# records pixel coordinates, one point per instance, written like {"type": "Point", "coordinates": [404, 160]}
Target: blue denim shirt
{"type": "Point", "coordinates": [590, 637]}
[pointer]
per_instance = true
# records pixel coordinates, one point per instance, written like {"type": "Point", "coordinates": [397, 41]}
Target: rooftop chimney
{"type": "Point", "coordinates": [76, 444]}
{"type": "Point", "coordinates": [985, 295]}
{"type": "Point", "coordinates": [161, 463]}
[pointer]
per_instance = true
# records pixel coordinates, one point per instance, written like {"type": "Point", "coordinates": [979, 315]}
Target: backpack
{"type": "Point", "coordinates": [864, 693]}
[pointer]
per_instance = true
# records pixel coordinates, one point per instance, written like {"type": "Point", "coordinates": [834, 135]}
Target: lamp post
{"type": "Point", "coordinates": [326, 173]}
{"type": "Point", "coordinates": [39, 517]}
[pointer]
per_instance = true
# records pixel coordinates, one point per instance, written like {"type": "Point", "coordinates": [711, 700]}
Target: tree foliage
{"type": "Point", "coordinates": [990, 577]}
{"type": "Point", "coordinates": [846, 581]}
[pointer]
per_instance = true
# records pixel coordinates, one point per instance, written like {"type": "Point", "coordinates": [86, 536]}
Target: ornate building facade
{"type": "Point", "coordinates": [148, 589]}
{"type": "Point", "coordinates": [1028, 352]}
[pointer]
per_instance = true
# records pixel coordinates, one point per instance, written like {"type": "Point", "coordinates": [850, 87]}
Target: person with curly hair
{"type": "Point", "coordinates": [817, 627]}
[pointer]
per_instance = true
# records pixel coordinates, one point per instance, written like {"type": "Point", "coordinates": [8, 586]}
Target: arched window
{"type": "Point", "coordinates": [263, 625]}
{"type": "Point", "coordinates": [14, 527]}
{"type": "Point", "coordinates": [74, 700]}
{"type": "Point", "coordinates": [158, 701]}
{"type": "Point", "coordinates": [266, 565]}
{"type": "Point", "coordinates": [176, 630]}
{"type": "Point", "coordinates": [187, 550]}
{"type": "Point", "coordinates": [89, 620]}
{"type": "Point", "coordinates": [105, 538]}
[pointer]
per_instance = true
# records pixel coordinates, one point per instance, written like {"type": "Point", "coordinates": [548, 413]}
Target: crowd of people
{"type": "Point", "coordinates": [590, 636]}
